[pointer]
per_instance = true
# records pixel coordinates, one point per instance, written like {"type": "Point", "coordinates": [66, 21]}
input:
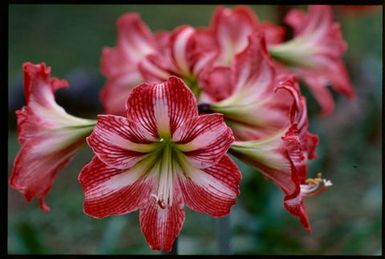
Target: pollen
{"type": "Point", "coordinates": [315, 185]}
{"type": "Point", "coordinates": [314, 181]}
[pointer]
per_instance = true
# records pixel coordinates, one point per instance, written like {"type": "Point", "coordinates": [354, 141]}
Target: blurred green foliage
{"type": "Point", "coordinates": [346, 219]}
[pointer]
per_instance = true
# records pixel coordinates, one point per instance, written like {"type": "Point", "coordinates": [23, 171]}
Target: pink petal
{"type": "Point", "coordinates": [39, 87]}
{"type": "Point", "coordinates": [110, 191]}
{"type": "Point", "coordinates": [273, 33]}
{"type": "Point", "coordinates": [253, 67]}
{"type": "Point", "coordinates": [161, 108]}
{"type": "Point", "coordinates": [34, 170]}
{"type": "Point", "coordinates": [212, 190]}
{"type": "Point", "coordinates": [115, 92]}
{"type": "Point", "coordinates": [204, 139]}
{"type": "Point", "coordinates": [119, 64]}
{"type": "Point", "coordinates": [217, 82]}
{"type": "Point", "coordinates": [156, 68]}
{"type": "Point", "coordinates": [231, 28]}
{"type": "Point", "coordinates": [181, 46]}
{"type": "Point", "coordinates": [118, 142]}
{"type": "Point", "coordinates": [162, 226]}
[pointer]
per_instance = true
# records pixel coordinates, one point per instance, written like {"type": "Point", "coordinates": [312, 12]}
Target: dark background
{"type": "Point", "coordinates": [346, 219]}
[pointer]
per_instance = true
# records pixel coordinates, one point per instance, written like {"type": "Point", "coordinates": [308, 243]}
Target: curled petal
{"type": "Point", "coordinates": [161, 226]}
{"type": "Point", "coordinates": [110, 191]}
{"type": "Point", "coordinates": [161, 108]}
{"type": "Point", "coordinates": [212, 190]}
{"type": "Point", "coordinates": [118, 142]}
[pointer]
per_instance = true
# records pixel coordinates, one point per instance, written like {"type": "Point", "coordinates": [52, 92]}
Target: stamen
{"type": "Point", "coordinates": [315, 185]}
{"type": "Point", "coordinates": [165, 177]}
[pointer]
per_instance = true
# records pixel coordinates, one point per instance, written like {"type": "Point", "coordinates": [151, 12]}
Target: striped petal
{"type": "Point", "coordinates": [161, 226]}
{"type": "Point", "coordinates": [253, 110]}
{"type": "Point", "coordinates": [118, 142]}
{"type": "Point", "coordinates": [212, 190]}
{"type": "Point", "coordinates": [110, 191]}
{"type": "Point", "coordinates": [204, 139]}
{"type": "Point", "coordinates": [49, 136]}
{"type": "Point", "coordinates": [161, 108]}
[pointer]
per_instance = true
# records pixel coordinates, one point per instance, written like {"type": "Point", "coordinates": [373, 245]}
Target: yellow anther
{"type": "Point", "coordinates": [314, 181]}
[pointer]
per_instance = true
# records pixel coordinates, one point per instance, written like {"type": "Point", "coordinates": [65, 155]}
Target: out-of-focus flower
{"type": "Point", "coordinates": [157, 159]}
{"type": "Point", "coordinates": [282, 156]}
{"type": "Point", "coordinates": [119, 64]}
{"type": "Point", "coordinates": [49, 137]}
{"type": "Point", "coordinates": [184, 52]}
{"type": "Point", "coordinates": [315, 54]}
{"type": "Point", "coordinates": [141, 55]}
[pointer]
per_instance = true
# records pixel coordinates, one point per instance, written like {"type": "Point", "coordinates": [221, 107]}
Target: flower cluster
{"type": "Point", "coordinates": [176, 103]}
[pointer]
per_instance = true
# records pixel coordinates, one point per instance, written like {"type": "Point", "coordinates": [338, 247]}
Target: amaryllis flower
{"type": "Point", "coordinates": [282, 156]}
{"type": "Point", "coordinates": [315, 54]}
{"type": "Point", "coordinates": [158, 158]}
{"type": "Point", "coordinates": [49, 137]}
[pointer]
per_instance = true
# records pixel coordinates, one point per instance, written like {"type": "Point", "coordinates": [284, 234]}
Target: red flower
{"type": "Point", "coordinates": [282, 156]}
{"type": "Point", "coordinates": [315, 54]}
{"type": "Point", "coordinates": [157, 159]}
{"type": "Point", "coordinates": [49, 137]}
{"type": "Point", "coordinates": [268, 116]}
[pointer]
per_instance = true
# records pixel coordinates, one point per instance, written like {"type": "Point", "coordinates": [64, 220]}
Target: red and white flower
{"type": "Point", "coordinates": [282, 156]}
{"type": "Point", "coordinates": [49, 137]}
{"type": "Point", "coordinates": [268, 116]}
{"type": "Point", "coordinates": [315, 54]}
{"type": "Point", "coordinates": [161, 156]}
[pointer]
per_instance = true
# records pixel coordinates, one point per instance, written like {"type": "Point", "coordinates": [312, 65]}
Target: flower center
{"type": "Point", "coordinates": [165, 169]}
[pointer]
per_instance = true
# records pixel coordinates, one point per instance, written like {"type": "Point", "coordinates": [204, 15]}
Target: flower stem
{"type": "Point", "coordinates": [174, 250]}
{"type": "Point", "coordinates": [224, 235]}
